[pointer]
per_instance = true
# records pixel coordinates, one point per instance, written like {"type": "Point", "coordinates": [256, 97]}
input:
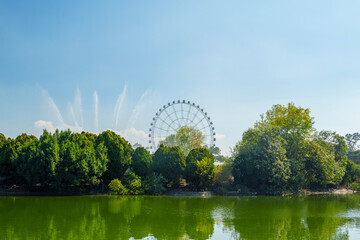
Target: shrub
{"type": "Point", "coordinates": [133, 183]}
{"type": "Point", "coordinates": [355, 186]}
{"type": "Point", "coordinates": [116, 187]}
{"type": "Point", "coordinates": [154, 184]}
{"type": "Point", "coordinates": [223, 176]}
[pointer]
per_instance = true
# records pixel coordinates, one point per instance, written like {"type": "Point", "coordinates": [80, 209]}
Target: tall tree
{"type": "Point", "coordinates": [141, 162]}
{"type": "Point", "coordinates": [37, 160]}
{"type": "Point", "coordinates": [2, 140]}
{"type": "Point", "coordinates": [170, 162]}
{"type": "Point", "coordinates": [261, 163]}
{"type": "Point", "coordinates": [283, 152]}
{"type": "Point", "coordinates": [9, 153]}
{"type": "Point", "coordinates": [200, 168]}
{"type": "Point", "coordinates": [352, 140]}
{"type": "Point", "coordinates": [119, 152]}
{"type": "Point", "coordinates": [81, 160]}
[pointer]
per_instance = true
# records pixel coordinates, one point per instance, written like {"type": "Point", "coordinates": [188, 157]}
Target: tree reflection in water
{"type": "Point", "coordinates": [115, 217]}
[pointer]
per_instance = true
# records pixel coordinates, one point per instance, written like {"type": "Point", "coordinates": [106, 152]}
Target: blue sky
{"type": "Point", "coordinates": [234, 58]}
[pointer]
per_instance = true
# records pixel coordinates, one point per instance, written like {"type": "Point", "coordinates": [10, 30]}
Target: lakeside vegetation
{"type": "Point", "coordinates": [283, 153]}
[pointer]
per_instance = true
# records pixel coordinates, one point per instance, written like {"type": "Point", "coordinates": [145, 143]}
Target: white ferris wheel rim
{"type": "Point", "coordinates": [178, 118]}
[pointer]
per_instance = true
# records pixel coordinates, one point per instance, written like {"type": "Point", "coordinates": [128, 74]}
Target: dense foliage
{"type": "Point", "coordinates": [117, 188]}
{"type": "Point", "coordinates": [119, 154]}
{"type": "Point", "coordinates": [56, 160]}
{"type": "Point", "coordinates": [65, 161]}
{"type": "Point", "coordinates": [284, 153]}
{"type": "Point", "coordinates": [9, 153]}
{"type": "Point", "coordinates": [170, 163]}
{"type": "Point", "coordinates": [200, 168]}
{"type": "Point", "coordinates": [141, 162]}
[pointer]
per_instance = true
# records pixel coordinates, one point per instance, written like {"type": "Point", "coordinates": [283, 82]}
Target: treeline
{"type": "Point", "coordinates": [283, 153]}
{"type": "Point", "coordinates": [66, 161]}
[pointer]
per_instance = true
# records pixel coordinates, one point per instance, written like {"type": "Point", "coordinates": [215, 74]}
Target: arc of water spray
{"type": "Point", "coordinates": [54, 107]}
{"type": "Point", "coordinates": [96, 112]}
{"type": "Point", "coordinates": [138, 108]}
{"type": "Point", "coordinates": [73, 115]}
{"type": "Point", "coordinates": [78, 106]}
{"type": "Point", "coordinates": [118, 106]}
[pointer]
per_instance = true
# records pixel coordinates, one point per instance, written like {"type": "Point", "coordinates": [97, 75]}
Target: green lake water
{"type": "Point", "coordinates": [164, 217]}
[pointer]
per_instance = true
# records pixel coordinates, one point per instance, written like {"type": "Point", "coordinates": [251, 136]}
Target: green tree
{"type": "Point", "coordinates": [2, 140]}
{"type": "Point", "coordinates": [352, 176]}
{"type": "Point", "coordinates": [170, 162]}
{"type": "Point", "coordinates": [321, 167]}
{"type": "Point", "coordinates": [9, 154]}
{"type": "Point", "coordinates": [354, 156]}
{"type": "Point", "coordinates": [333, 150]}
{"type": "Point", "coordinates": [81, 160]}
{"type": "Point", "coordinates": [119, 153]}
{"type": "Point", "coordinates": [283, 152]}
{"type": "Point", "coordinates": [200, 168]}
{"type": "Point", "coordinates": [154, 184]}
{"type": "Point", "coordinates": [133, 183]}
{"type": "Point", "coordinates": [186, 138]}
{"type": "Point", "coordinates": [261, 163]}
{"type": "Point", "coordinates": [223, 179]}
{"type": "Point", "coordinates": [295, 128]}
{"type": "Point", "coordinates": [351, 141]}
{"type": "Point", "coordinates": [37, 160]}
{"type": "Point", "coordinates": [2, 143]}
{"type": "Point", "coordinates": [141, 162]}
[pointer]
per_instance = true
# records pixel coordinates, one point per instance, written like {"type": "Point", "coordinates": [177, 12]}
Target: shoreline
{"type": "Point", "coordinates": [24, 191]}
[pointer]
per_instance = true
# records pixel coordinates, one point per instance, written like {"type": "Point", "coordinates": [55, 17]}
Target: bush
{"type": "Point", "coordinates": [116, 187]}
{"type": "Point", "coordinates": [352, 176]}
{"type": "Point", "coordinates": [355, 186]}
{"type": "Point", "coordinates": [154, 184]}
{"type": "Point", "coordinates": [133, 183]}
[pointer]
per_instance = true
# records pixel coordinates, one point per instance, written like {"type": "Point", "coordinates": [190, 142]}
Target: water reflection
{"type": "Point", "coordinates": [112, 217]}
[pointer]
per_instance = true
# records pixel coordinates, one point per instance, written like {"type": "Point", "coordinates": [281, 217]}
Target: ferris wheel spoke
{"type": "Point", "coordinates": [161, 129]}
{"type": "Point", "coordinates": [167, 124]}
{"type": "Point", "coordinates": [198, 122]}
{"type": "Point", "coordinates": [177, 115]}
{"type": "Point", "coordinates": [182, 113]}
{"type": "Point", "coordinates": [203, 128]}
{"type": "Point", "coordinates": [177, 118]}
{"type": "Point", "coordinates": [169, 116]}
{"type": "Point", "coordinates": [188, 113]}
{"type": "Point", "coordinates": [194, 116]}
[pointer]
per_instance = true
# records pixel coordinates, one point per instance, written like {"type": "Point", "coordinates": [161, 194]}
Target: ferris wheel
{"type": "Point", "coordinates": [177, 114]}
